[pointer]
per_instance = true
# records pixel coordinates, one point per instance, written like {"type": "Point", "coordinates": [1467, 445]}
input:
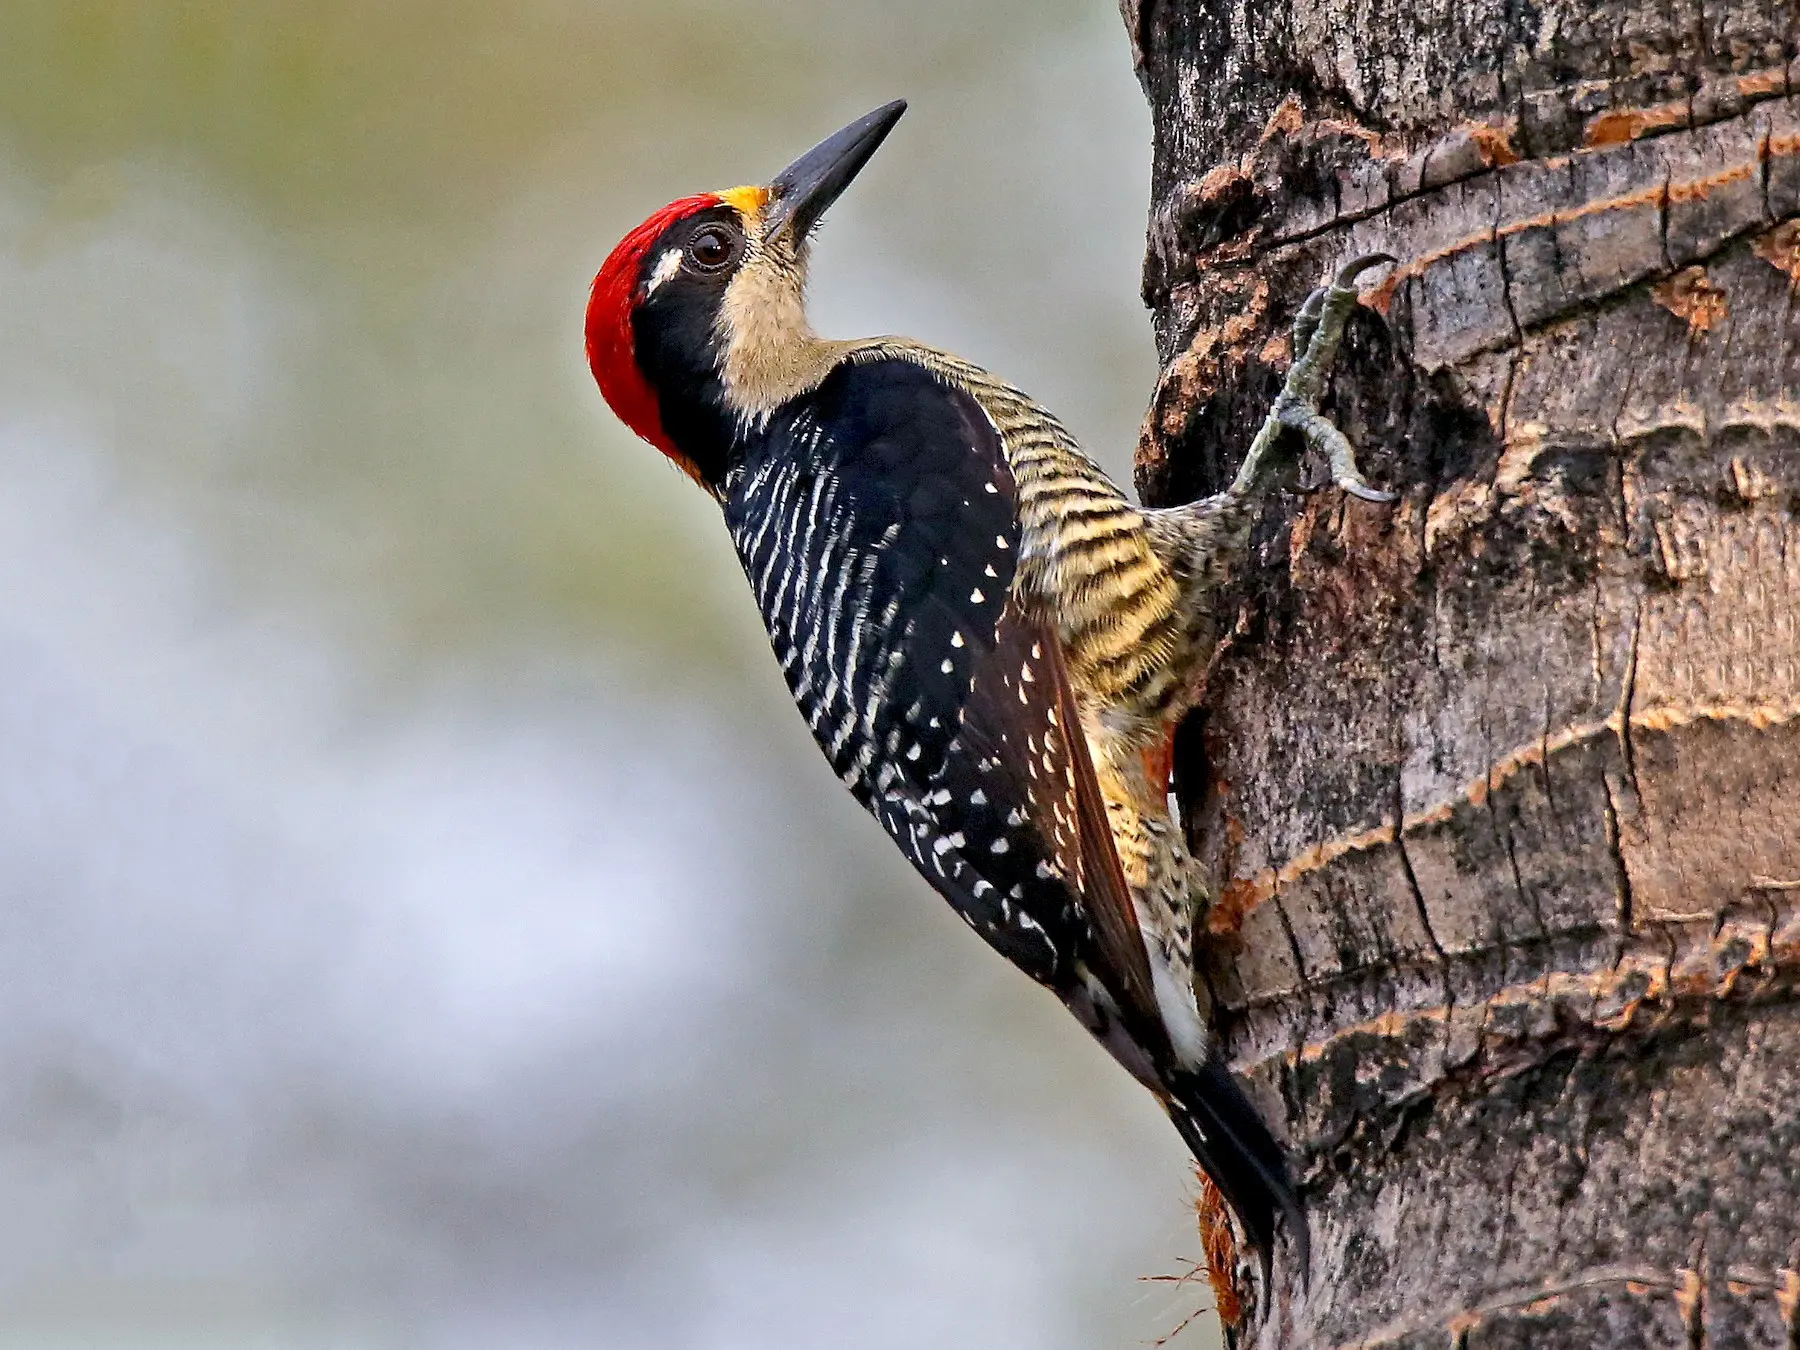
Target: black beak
{"type": "Point", "coordinates": [802, 191]}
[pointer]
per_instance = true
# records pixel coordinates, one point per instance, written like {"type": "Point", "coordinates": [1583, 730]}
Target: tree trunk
{"type": "Point", "coordinates": [1502, 783]}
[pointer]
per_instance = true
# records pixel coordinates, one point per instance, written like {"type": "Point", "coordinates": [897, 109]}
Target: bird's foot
{"type": "Point", "coordinates": [1318, 331]}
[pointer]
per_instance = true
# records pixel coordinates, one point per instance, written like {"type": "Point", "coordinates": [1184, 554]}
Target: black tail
{"type": "Point", "coordinates": [1235, 1149]}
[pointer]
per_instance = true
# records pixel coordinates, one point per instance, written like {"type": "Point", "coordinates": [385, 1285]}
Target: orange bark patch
{"type": "Point", "coordinates": [1461, 1325]}
{"type": "Point", "coordinates": [1300, 534]}
{"type": "Point", "coordinates": [1225, 916]}
{"type": "Point", "coordinates": [1186, 384]}
{"type": "Point", "coordinates": [1763, 83]}
{"type": "Point", "coordinates": [1780, 248]}
{"type": "Point", "coordinates": [1380, 297]}
{"type": "Point", "coordinates": [1701, 188]}
{"type": "Point", "coordinates": [1378, 147]}
{"type": "Point", "coordinates": [1246, 893]}
{"type": "Point", "coordinates": [1388, 1026]}
{"type": "Point", "coordinates": [1691, 297]}
{"type": "Point", "coordinates": [1220, 181]}
{"type": "Point", "coordinates": [1496, 145]}
{"type": "Point", "coordinates": [1690, 1298]}
{"type": "Point", "coordinates": [1246, 321]}
{"type": "Point", "coordinates": [1286, 120]}
{"type": "Point", "coordinates": [1787, 1297]}
{"type": "Point", "coordinates": [1619, 125]}
{"type": "Point", "coordinates": [1191, 377]}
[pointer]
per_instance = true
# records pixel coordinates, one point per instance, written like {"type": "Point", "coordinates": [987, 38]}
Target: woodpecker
{"type": "Point", "coordinates": [988, 641]}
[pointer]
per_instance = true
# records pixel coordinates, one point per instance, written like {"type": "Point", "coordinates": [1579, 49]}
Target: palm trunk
{"type": "Point", "coordinates": [1502, 783]}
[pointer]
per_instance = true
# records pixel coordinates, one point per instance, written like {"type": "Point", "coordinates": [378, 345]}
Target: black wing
{"type": "Point", "coordinates": [877, 522]}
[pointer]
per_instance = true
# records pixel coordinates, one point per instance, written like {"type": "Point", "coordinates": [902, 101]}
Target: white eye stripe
{"type": "Point", "coordinates": [666, 266]}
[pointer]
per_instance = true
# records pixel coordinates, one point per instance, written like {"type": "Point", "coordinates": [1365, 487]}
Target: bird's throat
{"type": "Point", "coordinates": [771, 354]}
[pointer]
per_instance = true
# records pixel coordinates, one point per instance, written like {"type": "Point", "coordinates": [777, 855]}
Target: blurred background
{"type": "Point", "coordinates": [423, 919]}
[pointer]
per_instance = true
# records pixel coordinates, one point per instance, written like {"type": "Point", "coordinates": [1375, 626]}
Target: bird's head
{"type": "Point", "coordinates": [696, 324]}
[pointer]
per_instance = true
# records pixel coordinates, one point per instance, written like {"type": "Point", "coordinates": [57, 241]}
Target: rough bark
{"type": "Point", "coordinates": [1502, 783]}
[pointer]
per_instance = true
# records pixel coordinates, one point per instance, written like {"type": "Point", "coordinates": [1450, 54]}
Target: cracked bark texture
{"type": "Point", "coordinates": [1501, 784]}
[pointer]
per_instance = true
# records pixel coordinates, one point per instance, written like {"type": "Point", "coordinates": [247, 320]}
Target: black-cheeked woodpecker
{"type": "Point", "coordinates": [989, 642]}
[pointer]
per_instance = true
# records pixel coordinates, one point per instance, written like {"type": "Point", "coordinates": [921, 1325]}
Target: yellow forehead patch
{"type": "Point", "coordinates": [749, 201]}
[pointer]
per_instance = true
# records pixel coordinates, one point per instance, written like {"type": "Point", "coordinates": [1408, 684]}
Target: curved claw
{"type": "Point", "coordinates": [1362, 491]}
{"type": "Point", "coordinates": [1350, 271]}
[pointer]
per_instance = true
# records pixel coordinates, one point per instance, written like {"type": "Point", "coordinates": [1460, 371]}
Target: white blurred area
{"type": "Point", "coordinates": [423, 919]}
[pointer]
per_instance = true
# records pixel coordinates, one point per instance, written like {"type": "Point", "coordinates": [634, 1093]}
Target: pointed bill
{"type": "Point", "coordinates": [802, 191]}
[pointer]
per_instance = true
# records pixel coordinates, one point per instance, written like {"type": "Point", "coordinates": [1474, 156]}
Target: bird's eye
{"type": "Point", "coordinates": [714, 248]}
